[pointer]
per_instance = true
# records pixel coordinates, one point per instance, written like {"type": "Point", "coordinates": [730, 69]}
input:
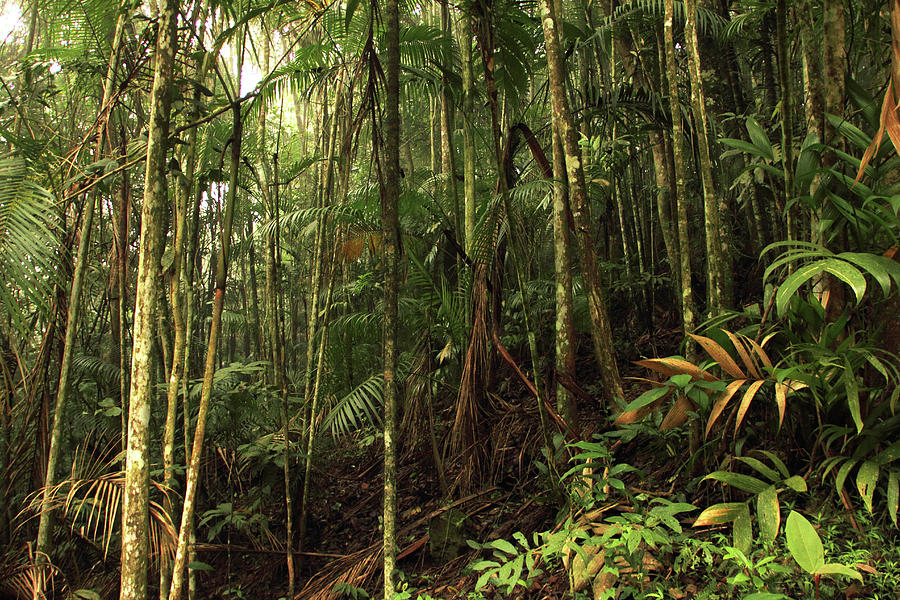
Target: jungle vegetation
{"type": "Point", "coordinates": [449, 299]}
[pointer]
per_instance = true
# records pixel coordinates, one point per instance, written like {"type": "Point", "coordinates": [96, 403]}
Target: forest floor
{"type": "Point", "coordinates": [342, 556]}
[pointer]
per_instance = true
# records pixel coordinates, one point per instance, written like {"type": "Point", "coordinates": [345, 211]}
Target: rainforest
{"type": "Point", "coordinates": [449, 299]}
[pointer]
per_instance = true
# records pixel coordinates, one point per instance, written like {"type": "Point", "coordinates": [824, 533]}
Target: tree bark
{"type": "Point", "coordinates": [566, 403]}
{"type": "Point", "coordinates": [601, 331]}
{"type": "Point", "coordinates": [717, 248]}
{"type": "Point", "coordinates": [135, 514]}
{"type": "Point", "coordinates": [681, 201]}
{"type": "Point", "coordinates": [390, 227]}
{"type": "Point", "coordinates": [468, 109]}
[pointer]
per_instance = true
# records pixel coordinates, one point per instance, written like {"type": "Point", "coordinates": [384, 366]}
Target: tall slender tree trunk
{"type": "Point", "coordinates": [221, 274]}
{"type": "Point", "coordinates": [74, 308]}
{"type": "Point", "coordinates": [180, 296]}
{"type": "Point", "coordinates": [566, 403]}
{"type": "Point", "coordinates": [272, 320]}
{"type": "Point", "coordinates": [601, 331]}
{"type": "Point", "coordinates": [681, 200]}
{"type": "Point", "coordinates": [717, 250]}
{"type": "Point", "coordinates": [135, 514]}
{"type": "Point", "coordinates": [664, 204]}
{"type": "Point", "coordinates": [390, 227]}
{"type": "Point", "coordinates": [787, 122]}
{"type": "Point", "coordinates": [56, 436]}
{"type": "Point", "coordinates": [448, 159]}
{"type": "Point", "coordinates": [468, 109]}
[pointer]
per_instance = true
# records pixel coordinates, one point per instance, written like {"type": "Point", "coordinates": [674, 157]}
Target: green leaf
{"type": "Point", "coordinates": [878, 267]}
{"type": "Point", "coordinates": [838, 569]}
{"type": "Point", "coordinates": [743, 532]}
{"type": "Point", "coordinates": [766, 596]}
{"type": "Point", "coordinates": [790, 285]}
{"type": "Point", "coordinates": [893, 494]}
{"type": "Point", "coordinates": [779, 464]}
{"type": "Point", "coordinates": [848, 274]}
{"type": "Point", "coordinates": [517, 565]}
{"type": "Point", "coordinates": [866, 479]}
{"type": "Point", "coordinates": [648, 397]}
{"type": "Point", "coordinates": [768, 512]}
{"type": "Point", "coordinates": [352, 5]}
{"type": "Point", "coordinates": [852, 388]}
{"type": "Point", "coordinates": [807, 164]}
{"type": "Point", "coordinates": [196, 565]}
{"type": "Point", "coordinates": [796, 483]}
{"type": "Point", "coordinates": [763, 469]}
{"type": "Point", "coordinates": [851, 132]}
{"type": "Point", "coordinates": [482, 581]}
{"type": "Point", "coordinates": [681, 380]}
{"type": "Point", "coordinates": [745, 147]}
{"type": "Point", "coordinates": [86, 594]}
{"type": "Point", "coordinates": [804, 543]}
{"type": "Point", "coordinates": [759, 138]}
{"type": "Point", "coordinates": [742, 482]}
{"type": "Point", "coordinates": [503, 545]}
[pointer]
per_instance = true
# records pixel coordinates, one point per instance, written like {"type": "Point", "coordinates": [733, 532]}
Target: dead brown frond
{"type": "Point", "coordinates": [30, 578]}
{"type": "Point", "coordinates": [91, 500]}
{"type": "Point", "coordinates": [355, 569]}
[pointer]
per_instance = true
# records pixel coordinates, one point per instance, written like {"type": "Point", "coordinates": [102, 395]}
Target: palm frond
{"type": "Point", "coordinates": [28, 240]}
{"type": "Point", "coordinates": [360, 407]}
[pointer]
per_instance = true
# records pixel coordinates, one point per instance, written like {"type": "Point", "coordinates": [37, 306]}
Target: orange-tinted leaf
{"type": "Point", "coordinates": [745, 402]}
{"type": "Point", "coordinates": [781, 400]}
{"type": "Point", "coordinates": [719, 355]}
{"type": "Point", "coordinates": [742, 351]}
{"type": "Point", "coordinates": [763, 357]}
{"type": "Point", "coordinates": [886, 109]}
{"type": "Point", "coordinates": [633, 416]}
{"type": "Point", "coordinates": [719, 514]}
{"type": "Point", "coordinates": [676, 366]}
{"type": "Point", "coordinates": [678, 414]}
{"type": "Point", "coordinates": [723, 400]}
{"type": "Point", "coordinates": [891, 123]}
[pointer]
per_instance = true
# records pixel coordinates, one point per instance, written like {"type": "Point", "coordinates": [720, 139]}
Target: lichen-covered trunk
{"type": "Point", "coordinates": [179, 297]}
{"type": "Point", "coordinates": [681, 201]}
{"type": "Point", "coordinates": [813, 98]}
{"type": "Point", "coordinates": [65, 367]}
{"type": "Point", "coordinates": [717, 248]}
{"type": "Point", "coordinates": [566, 403]}
{"type": "Point", "coordinates": [135, 514]}
{"type": "Point", "coordinates": [468, 109]}
{"type": "Point", "coordinates": [601, 331]}
{"type": "Point", "coordinates": [390, 229]}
